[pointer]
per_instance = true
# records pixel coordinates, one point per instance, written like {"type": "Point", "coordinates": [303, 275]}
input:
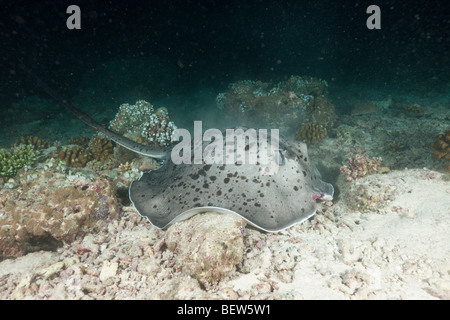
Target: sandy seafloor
{"type": "Point", "coordinates": [398, 249]}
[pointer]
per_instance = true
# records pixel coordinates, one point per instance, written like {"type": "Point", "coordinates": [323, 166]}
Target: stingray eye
{"type": "Point", "coordinates": [278, 157]}
{"type": "Point", "coordinates": [290, 154]}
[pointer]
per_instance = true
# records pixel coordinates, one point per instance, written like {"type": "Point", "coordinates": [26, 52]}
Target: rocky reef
{"type": "Point", "coordinates": [285, 105]}
{"type": "Point", "coordinates": [48, 208]}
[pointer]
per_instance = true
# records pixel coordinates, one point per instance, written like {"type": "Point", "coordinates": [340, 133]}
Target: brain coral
{"type": "Point", "coordinates": [50, 209]}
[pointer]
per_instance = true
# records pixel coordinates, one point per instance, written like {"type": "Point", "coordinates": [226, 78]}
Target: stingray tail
{"type": "Point", "coordinates": [157, 153]}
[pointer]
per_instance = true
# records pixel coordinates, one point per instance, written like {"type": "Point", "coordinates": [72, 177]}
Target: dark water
{"type": "Point", "coordinates": [181, 54]}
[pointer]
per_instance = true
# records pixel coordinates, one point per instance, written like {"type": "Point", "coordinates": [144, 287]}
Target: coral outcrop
{"type": "Point", "coordinates": [284, 105]}
{"type": "Point", "coordinates": [16, 159]}
{"type": "Point", "coordinates": [51, 209]}
{"type": "Point", "coordinates": [141, 123]}
{"type": "Point", "coordinates": [322, 112]}
{"type": "Point", "coordinates": [441, 149]}
{"type": "Point", "coordinates": [360, 166]}
{"type": "Point", "coordinates": [311, 133]}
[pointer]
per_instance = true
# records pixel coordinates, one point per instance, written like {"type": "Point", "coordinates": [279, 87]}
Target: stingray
{"type": "Point", "coordinates": [174, 192]}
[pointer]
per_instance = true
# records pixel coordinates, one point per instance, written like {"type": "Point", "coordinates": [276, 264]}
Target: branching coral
{"type": "Point", "coordinates": [36, 142]}
{"type": "Point", "coordinates": [97, 149]}
{"type": "Point", "coordinates": [441, 148]}
{"type": "Point", "coordinates": [12, 161]}
{"type": "Point", "coordinates": [80, 141]}
{"type": "Point", "coordinates": [360, 166]}
{"type": "Point", "coordinates": [101, 149]}
{"type": "Point", "coordinates": [311, 133]}
{"type": "Point", "coordinates": [74, 156]}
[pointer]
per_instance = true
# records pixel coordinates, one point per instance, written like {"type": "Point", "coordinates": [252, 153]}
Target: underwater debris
{"type": "Point", "coordinates": [441, 149]}
{"type": "Point", "coordinates": [360, 166]}
{"type": "Point", "coordinates": [311, 133]}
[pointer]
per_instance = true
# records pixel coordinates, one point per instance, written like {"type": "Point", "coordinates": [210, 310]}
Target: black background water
{"type": "Point", "coordinates": [212, 43]}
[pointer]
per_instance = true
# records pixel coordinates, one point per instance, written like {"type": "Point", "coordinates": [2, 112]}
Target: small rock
{"type": "Point", "coordinates": [207, 246]}
{"type": "Point", "coordinates": [52, 270]}
{"type": "Point", "coordinates": [89, 243]}
{"type": "Point", "coordinates": [383, 170]}
{"type": "Point", "coordinates": [23, 284]}
{"type": "Point", "coordinates": [108, 270]}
